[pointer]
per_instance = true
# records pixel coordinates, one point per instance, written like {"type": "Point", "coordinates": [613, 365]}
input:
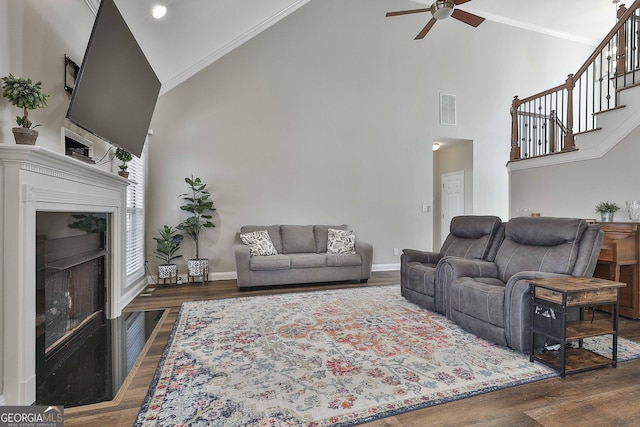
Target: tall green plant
{"type": "Point", "coordinates": [25, 94]}
{"type": "Point", "coordinates": [168, 244]}
{"type": "Point", "coordinates": [199, 205]}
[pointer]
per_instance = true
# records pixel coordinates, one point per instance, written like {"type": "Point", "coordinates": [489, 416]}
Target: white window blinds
{"type": "Point", "coordinates": [135, 219]}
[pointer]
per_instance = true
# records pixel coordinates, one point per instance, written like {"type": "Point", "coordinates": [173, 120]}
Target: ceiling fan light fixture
{"type": "Point", "coordinates": [442, 9]}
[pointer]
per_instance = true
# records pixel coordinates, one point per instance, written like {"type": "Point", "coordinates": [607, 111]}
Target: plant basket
{"type": "Point", "coordinates": [197, 267]}
{"type": "Point", "coordinates": [25, 136]}
{"type": "Point", "coordinates": [168, 272]}
{"type": "Point", "coordinates": [606, 216]}
{"type": "Point", "coordinates": [123, 174]}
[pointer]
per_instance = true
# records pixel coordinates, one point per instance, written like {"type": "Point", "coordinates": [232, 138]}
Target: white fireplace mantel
{"type": "Point", "coordinates": [36, 179]}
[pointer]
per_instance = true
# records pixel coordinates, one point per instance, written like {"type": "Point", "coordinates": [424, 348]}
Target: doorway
{"type": "Point", "coordinates": [453, 169]}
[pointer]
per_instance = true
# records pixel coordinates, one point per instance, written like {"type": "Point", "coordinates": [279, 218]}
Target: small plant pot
{"type": "Point", "coordinates": [123, 174]}
{"type": "Point", "coordinates": [606, 216]}
{"type": "Point", "coordinates": [198, 267]}
{"type": "Point", "coordinates": [25, 136]}
{"type": "Point", "coordinates": [168, 272]}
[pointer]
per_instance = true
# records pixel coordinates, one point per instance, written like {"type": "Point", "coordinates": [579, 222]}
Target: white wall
{"type": "Point", "coordinates": [574, 189]}
{"type": "Point", "coordinates": [329, 117]}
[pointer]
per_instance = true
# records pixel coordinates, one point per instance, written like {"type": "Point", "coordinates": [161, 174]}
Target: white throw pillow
{"type": "Point", "coordinates": [341, 241]}
{"type": "Point", "coordinates": [259, 243]}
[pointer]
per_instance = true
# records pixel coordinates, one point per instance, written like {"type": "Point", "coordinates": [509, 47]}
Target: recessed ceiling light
{"type": "Point", "coordinates": [159, 11]}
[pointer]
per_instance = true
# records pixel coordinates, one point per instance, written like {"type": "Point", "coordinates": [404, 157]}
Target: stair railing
{"type": "Point", "coordinates": [547, 123]}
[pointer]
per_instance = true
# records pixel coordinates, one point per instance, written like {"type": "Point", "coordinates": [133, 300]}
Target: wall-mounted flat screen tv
{"type": "Point", "coordinates": [116, 89]}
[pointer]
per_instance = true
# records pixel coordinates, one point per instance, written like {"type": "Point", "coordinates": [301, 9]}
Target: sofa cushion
{"type": "Point", "coordinates": [298, 239]}
{"type": "Point", "coordinates": [539, 244]}
{"type": "Point", "coordinates": [343, 260]}
{"type": "Point", "coordinates": [308, 260]}
{"type": "Point", "coordinates": [321, 233]}
{"type": "Point", "coordinates": [273, 230]}
{"type": "Point", "coordinates": [421, 278]}
{"type": "Point", "coordinates": [341, 242]}
{"type": "Point", "coordinates": [470, 236]}
{"type": "Point", "coordinates": [259, 243]}
{"type": "Point", "coordinates": [275, 262]}
{"type": "Point", "coordinates": [480, 298]}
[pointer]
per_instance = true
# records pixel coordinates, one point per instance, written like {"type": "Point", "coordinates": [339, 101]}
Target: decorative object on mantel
{"type": "Point", "coordinates": [607, 209]}
{"type": "Point", "coordinates": [125, 157]}
{"type": "Point", "coordinates": [633, 210]}
{"type": "Point", "coordinates": [199, 205]}
{"type": "Point", "coordinates": [25, 94]}
{"type": "Point", "coordinates": [71, 70]}
{"type": "Point", "coordinates": [166, 247]}
{"type": "Point", "coordinates": [89, 222]}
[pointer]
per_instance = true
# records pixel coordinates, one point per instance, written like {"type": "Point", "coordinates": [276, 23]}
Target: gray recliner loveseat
{"type": "Point", "coordinates": [491, 299]}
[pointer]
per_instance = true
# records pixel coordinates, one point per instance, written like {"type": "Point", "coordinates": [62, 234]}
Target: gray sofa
{"type": "Point", "coordinates": [470, 236]}
{"type": "Point", "coordinates": [491, 298]}
{"type": "Point", "coordinates": [302, 257]}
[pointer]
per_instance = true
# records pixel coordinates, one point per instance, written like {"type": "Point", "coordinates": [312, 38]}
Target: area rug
{"type": "Point", "coordinates": [328, 358]}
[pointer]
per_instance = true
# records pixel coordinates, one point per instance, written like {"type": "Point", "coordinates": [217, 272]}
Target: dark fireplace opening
{"type": "Point", "coordinates": [81, 356]}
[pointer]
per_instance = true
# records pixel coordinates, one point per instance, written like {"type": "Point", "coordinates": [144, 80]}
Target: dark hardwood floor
{"type": "Point", "coordinates": [596, 398]}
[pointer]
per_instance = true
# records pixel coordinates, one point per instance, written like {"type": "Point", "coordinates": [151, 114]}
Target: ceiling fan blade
{"type": "Point", "coordinates": [459, 2]}
{"type": "Point", "coordinates": [407, 12]}
{"type": "Point", "coordinates": [426, 29]}
{"type": "Point", "coordinates": [467, 18]}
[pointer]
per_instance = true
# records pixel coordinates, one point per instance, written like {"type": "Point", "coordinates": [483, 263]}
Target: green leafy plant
{"type": "Point", "coordinates": [125, 157]}
{"type": "Point", "coordinates": [607, 207]}
{"type": "Point", "coordinates": [25, 94]}
{"type": "Point", "coordinates": [199, 205]}
{"type": "Point", "coordinates": [168, 244]}
{"type": "Point", "coordinates": [89, 223]}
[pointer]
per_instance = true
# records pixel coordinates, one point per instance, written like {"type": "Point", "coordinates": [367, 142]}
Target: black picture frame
{"type": "Point", "coordinates": [71, 70]}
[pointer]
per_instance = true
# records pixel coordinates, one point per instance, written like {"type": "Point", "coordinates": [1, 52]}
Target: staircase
{"type": "Point", "coordinates": [594, 109]}
{"type": "Point", "coordinates": [578, 144]}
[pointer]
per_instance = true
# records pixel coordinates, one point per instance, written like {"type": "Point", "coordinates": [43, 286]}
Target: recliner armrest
{"type": "Point", "coordinates": [455, 267]}
{"type": "Point", "coordinates": [414, 255]}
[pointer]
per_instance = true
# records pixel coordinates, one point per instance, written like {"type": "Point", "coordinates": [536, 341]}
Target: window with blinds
{"type": "Point", "coordinates": [135, 219]}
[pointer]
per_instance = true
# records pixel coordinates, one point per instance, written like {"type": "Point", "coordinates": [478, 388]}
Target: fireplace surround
{"type": "Point", "coordinates": [37, 179]}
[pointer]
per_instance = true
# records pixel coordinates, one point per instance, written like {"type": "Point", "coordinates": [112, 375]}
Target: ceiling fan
{"type": "Point", "coordinates": [442, 9]}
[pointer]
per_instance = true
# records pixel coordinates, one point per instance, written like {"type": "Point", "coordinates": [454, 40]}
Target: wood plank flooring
{"type": "Point", "coordinates": [598, 398]}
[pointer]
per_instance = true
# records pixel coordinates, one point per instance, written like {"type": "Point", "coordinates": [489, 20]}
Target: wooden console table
{"type": "Point", "coordinates": [561, 294]}
{"type": "Point", "coordinates": [619, 260]}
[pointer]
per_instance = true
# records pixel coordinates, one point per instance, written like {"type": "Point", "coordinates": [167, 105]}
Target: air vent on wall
{"type": "Point", "coordinates": [447, 109]}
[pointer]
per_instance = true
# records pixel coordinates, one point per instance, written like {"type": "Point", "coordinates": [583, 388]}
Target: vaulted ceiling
{"type": "Point", "coordinates": [195, 33]}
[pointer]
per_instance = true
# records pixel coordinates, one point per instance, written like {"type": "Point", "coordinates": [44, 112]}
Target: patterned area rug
{"type": "Point", "coordinates": [337, 357]}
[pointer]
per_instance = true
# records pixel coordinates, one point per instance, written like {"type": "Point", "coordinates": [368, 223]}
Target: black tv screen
{"type": "Point", "coordinates": [116, 89]}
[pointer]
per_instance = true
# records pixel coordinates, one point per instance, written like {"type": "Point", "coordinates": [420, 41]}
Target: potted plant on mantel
{"type": "Point", "coordinates": [25, 94]}
{"type": "Point", "coordinates": [607, 210]}
{"type": "Point", "coordinates": [199, 205]}
{"type": "Point", "coordinates": [166, 247]}
{"type": "Point", "coordinates": [125, 157]}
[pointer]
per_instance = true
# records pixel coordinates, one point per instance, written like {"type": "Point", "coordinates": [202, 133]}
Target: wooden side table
{"type": "Point", "coordinates": [561, 294]}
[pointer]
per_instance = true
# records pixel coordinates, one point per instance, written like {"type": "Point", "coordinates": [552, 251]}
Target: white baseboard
{"type": "Point", "coordinates": [232, 275]}
{"type": "Point", "coordinates": [385, 267]}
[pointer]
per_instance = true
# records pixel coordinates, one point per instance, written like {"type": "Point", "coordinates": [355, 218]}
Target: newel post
{"type": "Point", "coordinates": [569, 143]}
{"type": "Point", "coordinates": [515, 148]}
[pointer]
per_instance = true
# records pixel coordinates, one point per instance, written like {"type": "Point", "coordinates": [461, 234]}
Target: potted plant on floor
{"type": "Point", "coordinates": [167, 245]}
{"type": "Point", "coordinates": [25, 94]}
{"type": "Point", "coordinates": [125, 157]}
{"type": "Point", "coordinates": [199, 205]}
{"type": "Point", "coordinates": [607, 210]}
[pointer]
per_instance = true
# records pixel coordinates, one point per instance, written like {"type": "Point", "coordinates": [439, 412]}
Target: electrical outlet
{"type": "Point", "coordinates": [180, 279]}
{"type": "Point", "coordinates": [395, 251]}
